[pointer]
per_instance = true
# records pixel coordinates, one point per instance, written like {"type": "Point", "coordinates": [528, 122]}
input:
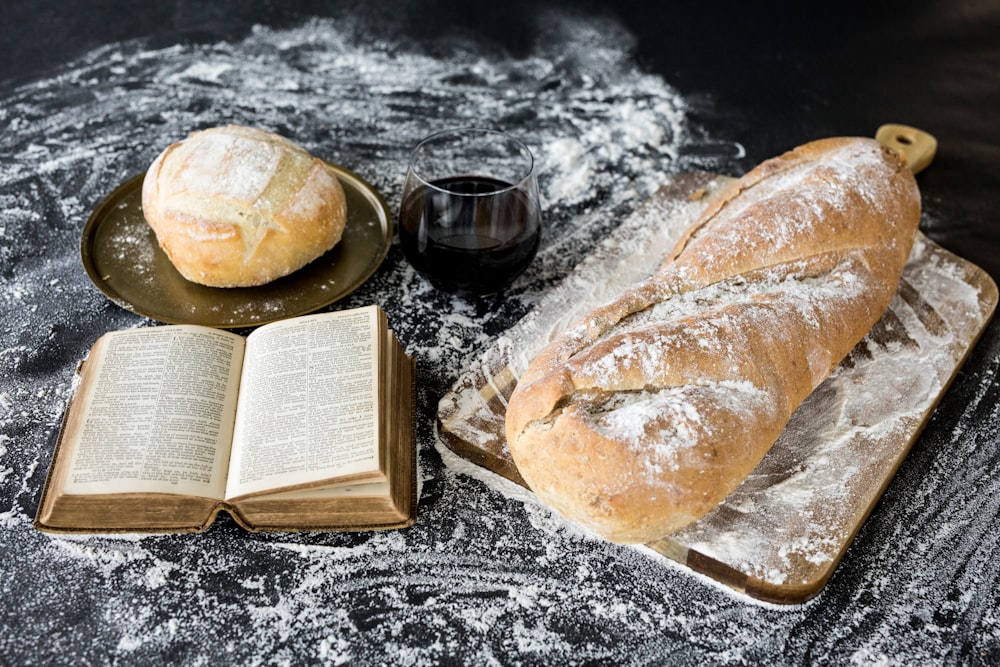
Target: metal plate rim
{"type": "Point", "coordinates": [376, 210]}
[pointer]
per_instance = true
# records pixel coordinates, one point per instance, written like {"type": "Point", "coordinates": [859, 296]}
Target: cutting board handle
{"type": "Point", "coordinates": [916, 146]}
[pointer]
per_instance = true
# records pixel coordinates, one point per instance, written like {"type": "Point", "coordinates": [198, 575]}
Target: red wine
{"type": "Point", "coordinates": [469, 234]}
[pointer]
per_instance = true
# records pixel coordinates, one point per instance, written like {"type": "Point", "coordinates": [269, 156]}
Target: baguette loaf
{"type": "Point", "coordinates": [642, 417]}
{"type": "Point", "coordinates": [235, 206]}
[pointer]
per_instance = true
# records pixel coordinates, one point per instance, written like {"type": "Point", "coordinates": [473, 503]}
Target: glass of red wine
{"type": "Point", "coordinates": [470, 219]}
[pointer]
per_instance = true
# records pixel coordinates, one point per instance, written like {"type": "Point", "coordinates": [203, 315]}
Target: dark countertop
{"type": "Point", "coordinates": [610, 96]}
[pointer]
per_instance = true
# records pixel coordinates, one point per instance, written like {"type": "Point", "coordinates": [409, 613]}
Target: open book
{"type": "Point", "coordinates": [305, 424]}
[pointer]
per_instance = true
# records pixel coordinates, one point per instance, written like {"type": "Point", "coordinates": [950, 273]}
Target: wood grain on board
{"type": "Point", "coordinates": [780, 535]}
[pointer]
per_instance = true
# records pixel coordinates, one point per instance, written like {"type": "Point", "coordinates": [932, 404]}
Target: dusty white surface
{"type": "Point", "coordinates": [788, 524]}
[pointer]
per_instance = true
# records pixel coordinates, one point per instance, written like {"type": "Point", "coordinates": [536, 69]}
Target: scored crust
{"type": "Point", "coordinates": [644, 416]}
{"type": "Point", "coordinates": [236, 207]}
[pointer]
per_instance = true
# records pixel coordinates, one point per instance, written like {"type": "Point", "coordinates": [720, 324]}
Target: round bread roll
{"type": "Point", "coordinates": [235, 207]}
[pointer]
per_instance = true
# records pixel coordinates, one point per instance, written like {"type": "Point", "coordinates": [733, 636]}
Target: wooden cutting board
{"type": "Point", "coordinates": [779, 536]}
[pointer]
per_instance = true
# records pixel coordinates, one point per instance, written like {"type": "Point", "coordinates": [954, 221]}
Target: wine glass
{"type": "Point", "coordinates": [470, 218]}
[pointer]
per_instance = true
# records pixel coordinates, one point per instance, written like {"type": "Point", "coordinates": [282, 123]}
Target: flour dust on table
{"type": "Point", "coordinates": [482, 576]}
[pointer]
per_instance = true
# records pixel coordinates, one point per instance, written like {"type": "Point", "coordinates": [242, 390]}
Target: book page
{"type": "Point", "coordinates": [309, 405]}
{"type": "Point", "coordinates": [160, 417]}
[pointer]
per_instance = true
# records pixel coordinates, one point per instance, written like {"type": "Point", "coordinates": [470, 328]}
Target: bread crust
{"type": "Point", "coordinates": [643, 416]}
{"type": "Point", "coordinates": [236, 207]}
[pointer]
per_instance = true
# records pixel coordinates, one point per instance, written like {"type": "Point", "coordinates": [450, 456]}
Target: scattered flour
{"type": "Point", "coordinates": [482, 577]}
{"type": "Point", "coordinates": [791, 519]}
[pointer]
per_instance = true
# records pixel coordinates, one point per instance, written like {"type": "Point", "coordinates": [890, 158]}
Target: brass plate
{"type": "Point", "coordinates": [123, 259]}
